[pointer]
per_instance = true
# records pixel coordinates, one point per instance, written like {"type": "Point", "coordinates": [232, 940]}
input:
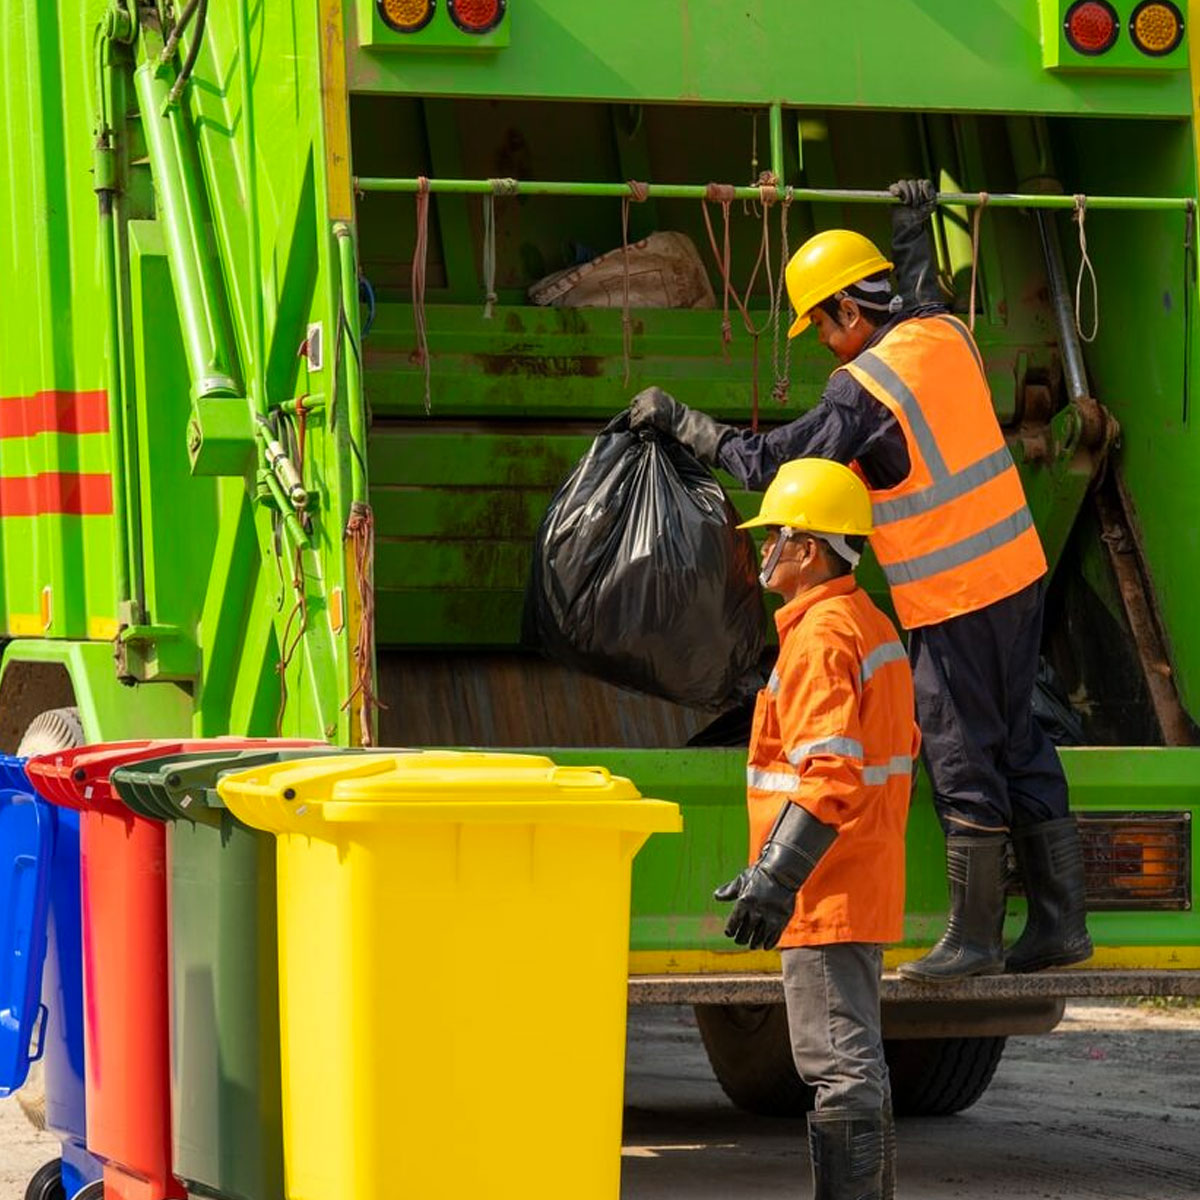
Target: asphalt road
{"type": "Point", "coordinates": [1107, 1106]}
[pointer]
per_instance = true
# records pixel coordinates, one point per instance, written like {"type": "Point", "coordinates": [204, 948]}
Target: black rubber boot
{"type": "Point", "coordinates": [888, 1189]}
{"type": "Point", "coordinates": [973, 941]}
{"type": "Point", "coordinates": [1050, 861]}
{"type": "Point", "coordinates": [847, 1149]}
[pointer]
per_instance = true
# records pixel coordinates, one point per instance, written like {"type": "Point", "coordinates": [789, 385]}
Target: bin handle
{"type": "Point", "coordinates": [581, 776]}
{"type": "Point", "coordinates": [43, 1019]}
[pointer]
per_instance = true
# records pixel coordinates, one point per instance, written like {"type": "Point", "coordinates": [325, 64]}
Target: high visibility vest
{"type": "Point", "coordinates": [956, 535]}
{"type": "Point", "coordinates": [834, 732]}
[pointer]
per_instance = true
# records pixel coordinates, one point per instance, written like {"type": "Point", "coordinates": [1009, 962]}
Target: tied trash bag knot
{"type": "Point", "coordinates": [640, 577]}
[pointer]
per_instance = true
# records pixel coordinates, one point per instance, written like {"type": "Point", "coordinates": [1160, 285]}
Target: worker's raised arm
{"type": "Point", "coordinates": [912, 247]}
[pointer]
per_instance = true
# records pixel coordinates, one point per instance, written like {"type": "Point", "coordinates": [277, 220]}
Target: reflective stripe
{"type": "Point", "coordinates": [771, 781]}
{"type": "Point", "coordinates": [843, 746]}
{"type": "Point", "coordinates": [773, 683]}
{"type": "Point", "coordinates": [964, 333]}
{"type": "Point", "coordinates": [959, 484]}
{"type": "Point", "coordinates": [898, 764]}
{"type": "Point", "coordinates": [899, 391]}
{"type": "Point", "coordinates": [969, 549]}
{"type": "Point", "coordinates": [880, 656]}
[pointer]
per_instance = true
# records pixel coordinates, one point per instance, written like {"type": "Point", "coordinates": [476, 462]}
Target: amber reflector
{"type": "Point", "coordinates": [1156, 27]}
{"type": "Point", "coordinates": [406, 16]}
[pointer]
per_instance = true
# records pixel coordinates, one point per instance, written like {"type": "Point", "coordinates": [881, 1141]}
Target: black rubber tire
{"type": "Point", "coordinates": [751, 1056]}
{"type": "Point", "coordinates": [935, 1077]}
{"type": "Point", "coordinates": [46, 1183]}
{"type": "Point", "coordinates": [93, 1191]}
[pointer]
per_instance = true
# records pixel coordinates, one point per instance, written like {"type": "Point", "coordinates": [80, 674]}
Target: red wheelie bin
{"type": "Point", "coordinates": [125, 961]}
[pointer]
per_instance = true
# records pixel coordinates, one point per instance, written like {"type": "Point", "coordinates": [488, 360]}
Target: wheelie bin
{"type": "Point", "coordinates": [226, 1108]}
{"type": "Point", "coordinates": [454, 936]}
{"type": "Point", "coordinates": [41, 972]}
{"type": "Point", "coordinates": [123, 889]}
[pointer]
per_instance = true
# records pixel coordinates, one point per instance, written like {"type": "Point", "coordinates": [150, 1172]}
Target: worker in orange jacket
{"type": "Point", "coordinates": [910, 407]}
{"type": "Point", "coordinates": [827, 785]}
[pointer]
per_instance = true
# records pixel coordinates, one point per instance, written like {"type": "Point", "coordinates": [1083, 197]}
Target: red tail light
{"type": "Point", "coordinates": [1092, 26]}
{"type": "Point", "coordinates": [476, 16]}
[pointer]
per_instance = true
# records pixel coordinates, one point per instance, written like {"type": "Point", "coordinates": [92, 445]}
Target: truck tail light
{"type": "Point", "coordinates": [1137, 859]}
{"type": "Point", "coordinates": [1156, 27]}
{"type": "Point", "coordinates": [476, 16]}
{"type": "Point", "coordinates": [406, 16]}
{"type": "Point", "coordinates": [1091, 26]}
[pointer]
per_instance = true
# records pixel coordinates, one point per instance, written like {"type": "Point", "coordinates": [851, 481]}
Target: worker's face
{"type": "Point", "coordinates": [797, 567]}
{"type": "Point", "coordinates": [846, 336]}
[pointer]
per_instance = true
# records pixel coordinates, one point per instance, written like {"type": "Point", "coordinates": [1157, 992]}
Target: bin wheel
{"type": "Point", "coordinates": [47, 1183]}
{"type": "Point", "coordinates": [936, 1077]}
{"type": "Point", "coordinates": [93, 1191]}
{"type": "Point", "coordinates": [751, 1056]}
{"type": "Point", "coordinates": [55, 729]}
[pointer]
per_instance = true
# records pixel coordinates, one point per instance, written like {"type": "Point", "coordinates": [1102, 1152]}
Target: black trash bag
{"type": "Point", "coordinates": [641, 578]}
{"type": "Point", "coordinates": [1052, 708]}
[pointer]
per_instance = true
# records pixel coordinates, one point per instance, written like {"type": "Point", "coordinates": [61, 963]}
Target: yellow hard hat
{"type": "Point", "coordinates": [826, 263]}
{"type": "Point", "coordinates": [818, 496]}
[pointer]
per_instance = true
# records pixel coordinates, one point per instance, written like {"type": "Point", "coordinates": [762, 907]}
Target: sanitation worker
{"type": "Point", "coordinates": [827, 785]}
{"type": "Point", "coordinates": [911, 408]}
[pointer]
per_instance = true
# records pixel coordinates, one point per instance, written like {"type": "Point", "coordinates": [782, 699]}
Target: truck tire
{"type": "Point", "coordinates": [46, 1183]}
{"type": "Point", "coordinates": [751, 1056]}
{"type": "Point", "coordinates": [935, 1077]}
{"type": "Point", "coordinates": [55, 729]}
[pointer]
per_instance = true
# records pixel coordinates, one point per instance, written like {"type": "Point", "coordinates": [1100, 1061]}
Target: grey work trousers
{"type": "Point", "coordinates": [832, 997]}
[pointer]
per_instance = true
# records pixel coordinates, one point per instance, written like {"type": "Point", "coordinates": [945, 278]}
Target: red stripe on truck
{"type": "Point", "coordinates": [53, 412]}
{"type": "Point", "coordinates": [56, 492]}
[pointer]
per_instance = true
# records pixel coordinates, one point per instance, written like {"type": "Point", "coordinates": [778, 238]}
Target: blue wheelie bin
{"type": "Point", "coordinates": [41, 971]}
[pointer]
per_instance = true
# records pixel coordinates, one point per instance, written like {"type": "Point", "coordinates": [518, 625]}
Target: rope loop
{"type": "Point", "coordinates": [768, 188]}
{"type": "Point", "coordinates": [1085, 265]}
{"type": "Point", "coordinates": [983, 201]}
{"type": "Point", "coordinates": [720, 193]}
{"type": "Point", "coordinates": [420, 255]}
{"type": "Point", "coordinates": [505, 187]}
{"type": "Point", "coordinates": [639, 192]}
{"type": "Point", "coordinates": [489, 257]}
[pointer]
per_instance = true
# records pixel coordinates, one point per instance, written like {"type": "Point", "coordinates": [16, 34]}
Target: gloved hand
{"type": "Point", "coordinates": [917, 196]}
{"type": "Point", "coordinates": [912, 247]}
{"type": "Point", "coordinates": [764, 895]}
{"type": "Point", "coordinates": [696, 430]}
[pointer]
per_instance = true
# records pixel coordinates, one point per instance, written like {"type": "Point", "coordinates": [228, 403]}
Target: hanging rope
{"type": "Point", "coordinates": [420, 253]}
{"type": "Point", "coordinates": [1085, 264]}
{"type": "Point", "coordinates": [782, 384]}
{"type": "Point", "coordinates": [983, 199]}
{"type": "Point", "coordinates": [489, 257]}
{"type": "Point", "coordinates": [767, 184]}
{"type": "Point", "coordinates": [639, 193]}
{"type": "Point", "coordinates": [360, 530]}
{"type": "Point", "coordinates": [724, 195]}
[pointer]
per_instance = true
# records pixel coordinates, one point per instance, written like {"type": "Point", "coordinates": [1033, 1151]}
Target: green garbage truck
{"type": "Point", "coordinates": [308, 306]}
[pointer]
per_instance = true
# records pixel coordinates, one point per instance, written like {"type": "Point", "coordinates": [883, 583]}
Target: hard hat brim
{"type": "Point", "coordinates": [799, 325]}
{"type": "Point", "coordinates": [758, 522]}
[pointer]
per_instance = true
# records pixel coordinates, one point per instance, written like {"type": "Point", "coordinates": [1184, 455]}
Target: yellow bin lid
{"type": "Point", "coordinates": [440, 785]}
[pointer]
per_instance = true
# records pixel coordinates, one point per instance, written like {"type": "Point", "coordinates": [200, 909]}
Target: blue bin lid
{"type": "Point", "coordinates": [26, 853]}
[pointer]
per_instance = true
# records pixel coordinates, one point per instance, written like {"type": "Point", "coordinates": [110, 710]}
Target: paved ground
{"type": "Point", "coordinates": [1108, 1106]}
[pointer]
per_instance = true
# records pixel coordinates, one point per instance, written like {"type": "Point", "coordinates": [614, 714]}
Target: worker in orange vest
{"type": "Point", "coordinates": [827, 785]}
{"type": "Point", "coordinates": [910, 407]}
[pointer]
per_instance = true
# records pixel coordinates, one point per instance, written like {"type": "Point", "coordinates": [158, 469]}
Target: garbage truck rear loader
{"type": "Point", "coordinates": [279, 417]}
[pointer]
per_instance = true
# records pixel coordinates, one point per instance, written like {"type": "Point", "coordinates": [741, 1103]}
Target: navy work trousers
{"type": "Point", "coordinates": [992, 766]}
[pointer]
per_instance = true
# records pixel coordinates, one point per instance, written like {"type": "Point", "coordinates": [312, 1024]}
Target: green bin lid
{"type": "Point", "coordinates": [185, 785]}
{"type": "Point", "coordinates": [440, 785]}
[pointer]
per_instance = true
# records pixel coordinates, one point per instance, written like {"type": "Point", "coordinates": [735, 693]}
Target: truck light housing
{"type": "Point", "coordinates": [1091, 26]}
{"type": "Point", "coordinates": [1156, 27]}
{"type": "Point", "coordinates": [1137, 859]}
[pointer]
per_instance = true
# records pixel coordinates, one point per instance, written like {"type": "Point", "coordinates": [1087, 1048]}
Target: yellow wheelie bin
{"type": "Point", "coordinates": [453, 959]}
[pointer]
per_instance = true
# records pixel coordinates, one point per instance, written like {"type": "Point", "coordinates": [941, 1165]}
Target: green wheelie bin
{"type": "Point", "coordinates": [224, 978]}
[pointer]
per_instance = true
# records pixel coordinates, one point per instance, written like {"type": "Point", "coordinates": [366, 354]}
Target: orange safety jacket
{"type": "Point", "coordinates": [956, 534]}
{"type": "Point", "coordinates": [834, 731]}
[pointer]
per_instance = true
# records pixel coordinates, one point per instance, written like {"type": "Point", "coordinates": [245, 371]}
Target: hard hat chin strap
{"type": "Point", "coordinates": [836, 541]}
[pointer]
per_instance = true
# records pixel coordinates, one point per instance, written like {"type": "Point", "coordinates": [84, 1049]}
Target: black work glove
{"type": "Point", "coordinates": [764, 895]}
{"type": "Point", "coordinates": [696, 430]}
{"type": "Point", "coordinates": [912, 248]}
